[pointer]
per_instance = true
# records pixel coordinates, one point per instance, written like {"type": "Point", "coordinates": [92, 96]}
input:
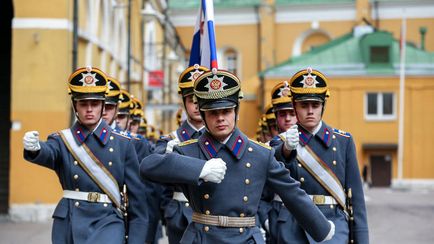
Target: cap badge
{"type": "Point", "coordinates": [284, 91]}
{"type": "Point", "coordinates": [88, 79]}
{"type": "Point", "coordinates": [215, 83]}
{"type": "Point", "coordinates": [309, 81]}
{"type": "Point", "coordinates": [110, 85]}
{"type": "Point", "coordinates": [196, 73]}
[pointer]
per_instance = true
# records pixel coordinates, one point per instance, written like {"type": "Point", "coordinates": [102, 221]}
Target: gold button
{"type": "Point", "coordinates": [247, 181]}
{"type": "Point", "coordinates": [77, 204]}
{"type": "Point", "coordinates": [250, 149]}
{"type": "Point", "coordinates": [207, 212]}
{"type": "Point", "coordinates": [334, 149]}
{"type": "Point", "coordinates": [76, 189]}
{"type": "Point", "coordinates": [105, 204]}
{"type": "Point", "coordinates": [248, 165]}
{"type": "Point", "coordinates": [334, 162]}
{"type": "Point", "coordinates": [111, 149]}
{"type": "Point", "coordinates": [112, 138]}
{"type": "Point", "coordinates": [245, 198]}
{"type": "Point", "coordinates": [206, 196]}
{"type": "Point", "coordinates": [75, 162]}
{"type": "Point", "coordinates": [299, 165]}
{"type": "Point", "coordinates": [187, 204]}
{"type": "Point", "coordinates": [241, 230]}
{"type": "Point", "coordinates": [334, 137]}
{"type": "Point", "coordinates": [110, 163]}
{"type": "Point", "coordinates": [301, 179]}
{"type": "Point", "coordinates": [331, 206]}
{"type": "Point", "coordinates": [242, 215]}
{"type": "Point", "coordinates": [75, 177]}
{"type": "Point", "coordinates": [206, 228]}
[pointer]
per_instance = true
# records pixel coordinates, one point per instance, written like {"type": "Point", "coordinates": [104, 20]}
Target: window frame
{"type": "Point", "coordinates": [380, 116]}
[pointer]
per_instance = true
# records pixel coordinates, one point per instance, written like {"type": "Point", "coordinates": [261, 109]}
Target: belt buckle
{"type": "Point", "coordinates": [319, 199]}
{"type": "Point", "coordinates": [93, 196]}
{"type": "Point", "coordinates": [223, 221]}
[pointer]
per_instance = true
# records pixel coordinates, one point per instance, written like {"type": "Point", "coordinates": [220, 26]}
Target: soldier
{"type": "Point", "coordinates": [143, 127]}
{"type": "Point", "coordinates": [222, 173]}
{"type": "Point", "coordinates": [123, 116]}
{"type": "Point", "coordinates": [271, 122]}
{"type": "Point", "coordinates": [111, 102]}
{"type": "Point", "coordinates": [177, 210]}
{"type": "Point", "coordinates": [95, 166]}
{"type": "Point", "coordinates": [283, 113]}
{"type": "Point", "coordinates": [136, 115]}
{"type": "Point", "coordinates": [326, 165]}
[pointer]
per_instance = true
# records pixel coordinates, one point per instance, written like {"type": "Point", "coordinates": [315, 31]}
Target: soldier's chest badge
{"type": "Point", "coordinates": [309, 81]}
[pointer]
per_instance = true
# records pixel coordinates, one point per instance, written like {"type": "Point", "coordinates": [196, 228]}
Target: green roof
{"type": "Point", "coordinates": [344, 56]}
{"type": "Point", "coordinates": [292, 2]}
{"type": "Point", "coordinates": [194, 4]}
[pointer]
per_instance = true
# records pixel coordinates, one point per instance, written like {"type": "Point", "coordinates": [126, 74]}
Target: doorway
{"type": "Point", "coordinates": [381, 170]}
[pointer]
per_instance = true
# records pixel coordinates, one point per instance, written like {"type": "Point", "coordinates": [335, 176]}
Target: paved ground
{"type": "Point", "coordinates": [394, 216]}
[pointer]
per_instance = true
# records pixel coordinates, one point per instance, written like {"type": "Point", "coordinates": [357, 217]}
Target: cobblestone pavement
{"type": "Point", "coordinates": [394, 216]}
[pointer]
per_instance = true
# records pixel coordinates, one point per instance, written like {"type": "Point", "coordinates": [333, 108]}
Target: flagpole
{"type": "Point", "coordinates": [401, 100]}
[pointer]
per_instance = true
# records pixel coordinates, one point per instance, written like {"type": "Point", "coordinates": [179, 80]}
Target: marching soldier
{"type": "Point", "coordinates": [284, 118]}
{"type": "Point", "coordinates": [123, 116]}
{"type": "Point", "coordinates": [97, 168]}
{"type": "Point", "coordinates": [326, 165]}
{"type": "Point", "coordinates": [111, 102]}
{"type": "Point", "coordinates": [136, 115]}
{"type": "Point", "coordinates": [222, 173]}
{"type": "Point", "coordinates": [177, 210]}
{"type": "Point", "coordinates": [270, 119]}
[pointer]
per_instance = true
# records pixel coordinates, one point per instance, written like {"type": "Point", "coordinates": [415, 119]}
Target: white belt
{"type": "Point", "coordinates": [317, 199]}
{"type": "Point", "coordinates": [86, 196]}
{"type": "Point", "coordinates": [179, 196]}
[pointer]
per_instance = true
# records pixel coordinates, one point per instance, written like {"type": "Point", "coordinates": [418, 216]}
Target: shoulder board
{"type": "Point", "coordinates": [184, 143]}
{"type": "Point", "coordinates": [261, 144]}
{"type": "Point", "coordinates": [121, 134]}
{"type": "Point", "coordinates": [341, 133]}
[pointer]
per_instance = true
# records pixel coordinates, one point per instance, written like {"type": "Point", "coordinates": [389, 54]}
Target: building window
{"type": "Point", "coordinates": [380, 106]}
{"type": "Point", "coordinates": [229, 60]}
{"type": "Point", "coordinates": [379, 54]}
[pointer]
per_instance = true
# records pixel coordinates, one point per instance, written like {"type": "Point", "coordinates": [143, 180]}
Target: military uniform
{"type": "Point", "coordinates": [87, 213]}
{"type": "Point", "coordinates": [226, 212]}
{"type": "Point", "coordinates": [335, 151]}
{"type": "Point", "coordinates": [177, 210]}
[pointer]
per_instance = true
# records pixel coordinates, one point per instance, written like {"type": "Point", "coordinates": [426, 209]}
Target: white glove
{"type": "Point", "coordinates": [263, 233]}
{"type": "Point", "coordinates": [171, 144]}
{"type": "Point", "coordinates": [267, 225]}
{"type": "Point", "coordinates": [31, 141]}
{"type": "Point", "coordinates": [214, 170]}
{"type": "Point", "coordinates": [331, 232]}
{"type": "Point", "coordinates": [291, 138]}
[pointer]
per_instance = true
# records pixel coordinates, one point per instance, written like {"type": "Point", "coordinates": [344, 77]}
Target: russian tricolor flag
{"type": "Point", "coordinates": [203, 47]}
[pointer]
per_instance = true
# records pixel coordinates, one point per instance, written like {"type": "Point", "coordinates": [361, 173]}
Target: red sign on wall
{"type": "Point", "coordinates": [156, 79]}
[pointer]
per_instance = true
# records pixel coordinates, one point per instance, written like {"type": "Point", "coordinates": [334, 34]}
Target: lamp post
{"type": "Point", "coordinates": [129, 47]}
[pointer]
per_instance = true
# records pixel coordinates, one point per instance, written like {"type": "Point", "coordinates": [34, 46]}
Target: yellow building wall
{"type": "Point", "coordinates": [39, 102]}
{"type": "Point", "coordinates": [345, 110]}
